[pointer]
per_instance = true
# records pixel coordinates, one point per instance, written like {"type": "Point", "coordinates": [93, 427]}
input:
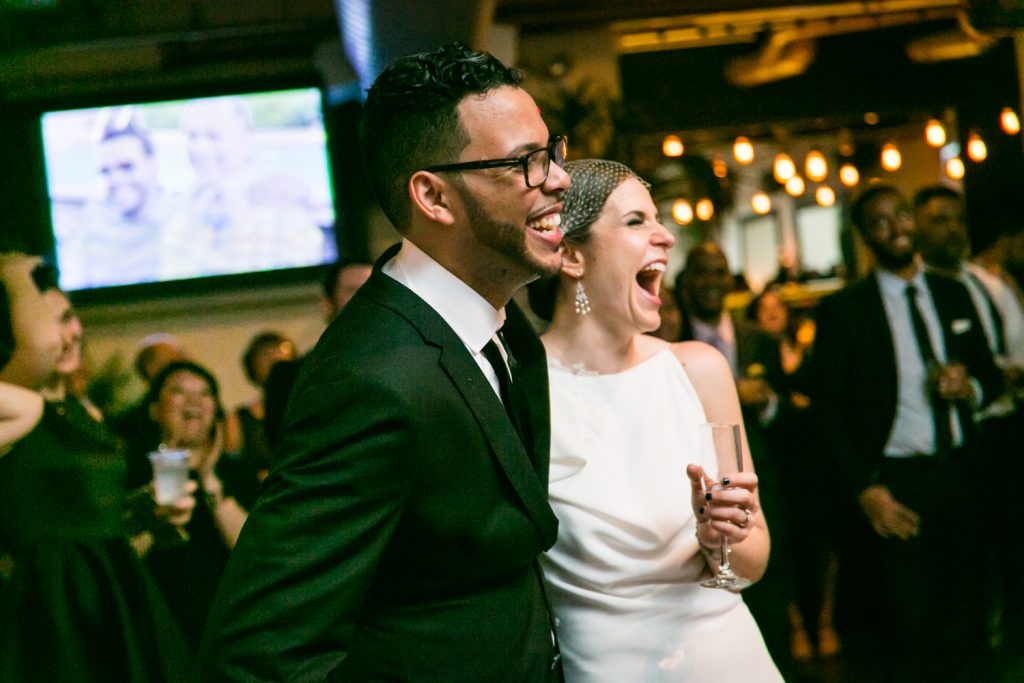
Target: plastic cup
{"type": "Point", "coordinates": [170, 474]}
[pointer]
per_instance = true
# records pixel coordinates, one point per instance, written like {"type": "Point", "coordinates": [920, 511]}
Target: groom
{"type": "Point", "coordinates": [397, 538]}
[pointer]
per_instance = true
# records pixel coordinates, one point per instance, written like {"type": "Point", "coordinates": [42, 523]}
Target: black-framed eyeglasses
{"type": "Point", "coordinates": [535, 164]}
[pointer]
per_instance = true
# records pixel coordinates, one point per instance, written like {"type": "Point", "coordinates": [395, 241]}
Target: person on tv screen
{"type": "Point", "coordinates": [244, 211]}
{"type": "Point", "coordinates": [118, 239]}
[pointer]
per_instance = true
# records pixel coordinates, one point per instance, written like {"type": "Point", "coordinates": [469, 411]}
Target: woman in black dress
{"type": "Point", "coordinates": [75, 602]}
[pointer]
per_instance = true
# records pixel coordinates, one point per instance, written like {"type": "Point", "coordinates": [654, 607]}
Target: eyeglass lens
{"type": "Point", "coordinates": [539, 162]}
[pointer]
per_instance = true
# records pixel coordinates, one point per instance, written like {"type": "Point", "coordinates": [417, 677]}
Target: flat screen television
{"type": "Point", "coordinates": [188, 189]}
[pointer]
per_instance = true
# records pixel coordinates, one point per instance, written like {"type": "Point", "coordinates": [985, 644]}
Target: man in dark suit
{"type": "Point", "coordinates": [900, 363]}
{"type": "Point", "coordinates": [397, 537]}
{"type": "Point", "coordinates": [701, 288]}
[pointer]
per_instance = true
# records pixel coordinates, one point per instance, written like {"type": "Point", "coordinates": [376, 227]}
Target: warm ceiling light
{"type": "Point", "coordinates": [891, 157]}
{"type": "Point", "coordinates": [849, 175]}
{"type": "Point", "coordinates": [815, 166]}
{"type": "Point", "coordinates": [795, 186]}
{"type": "Point", "coordinates": [871, 118]}
{"type": "Point", "coordinates": [955, 168]}
{"type": "Point", "coordinates": [719, 168]}
{"type": "Point", "coordinates": [705, 209]}
{"type": "Point", "coordinates": [783, 168]}
{"type": "Point", "coordinates": [743, 150]}
{"type": "Point", "coordinates": [935, 133]}
{"type": "Point", "coordinates": [825, 196]}
{"type": "Point", "coordinates": [682, 212]}
{"type": "Point", "coordinates": [761, 203]}
{"type": "Point", "coordinates": [1009, 121]}
{"type": "Point", "coordinates": [672, 146]}
{"type": "Point", "coordinates": [976, 149]}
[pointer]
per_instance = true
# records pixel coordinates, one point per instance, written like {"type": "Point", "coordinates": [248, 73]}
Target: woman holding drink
{"type": "Point", "coordinates": [75, 603]}
{"type": "Point", "coordinates": [636, 537]}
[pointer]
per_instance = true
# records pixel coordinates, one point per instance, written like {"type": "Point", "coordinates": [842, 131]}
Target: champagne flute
{"type": "Point", "coordinates": [724, 438]}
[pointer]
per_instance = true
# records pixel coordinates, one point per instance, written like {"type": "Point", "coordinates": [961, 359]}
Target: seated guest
{"type": "Point", "coordinates": [244, 427]}
{"type": "Point", "coordinates": [75, 603]}
{"type": "Point", "coordinates": [183, 402]}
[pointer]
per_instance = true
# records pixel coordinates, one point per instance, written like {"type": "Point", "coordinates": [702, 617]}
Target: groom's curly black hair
{"type": "Point", "coordinates": [411, 121]}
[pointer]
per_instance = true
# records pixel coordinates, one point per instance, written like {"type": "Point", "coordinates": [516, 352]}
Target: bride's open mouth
{"type": "Point", "coordinates": [649, 280]}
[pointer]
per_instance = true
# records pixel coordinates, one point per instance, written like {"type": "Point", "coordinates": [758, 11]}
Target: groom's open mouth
{"type": "Point", "coordinates": [546, 226]}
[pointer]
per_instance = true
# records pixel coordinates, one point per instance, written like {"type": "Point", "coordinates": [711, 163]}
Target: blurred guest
{"type": "Point", "coordinates": [701, 288]}
{"type": "Point", "coordinates": [671, 317]}
{"type": "Point", "coordinates": [134, 425]}
{"type": "Point", "coordinates": [75, 603]}
{"type": "Point", "coordinates": [944, 245]}
{"type": "Point", "coordinates": [626, 413]}
{"type": "Point", "coordinates": [339, 283]}
{"type": "Point", "coordinates": [244, 427]}
{"type": "Point", "coordinates": [900, 364]}
{"type": "Point", "coordinates": [794, 442]}
{"type": "Point", "coordinates": [184, 403]}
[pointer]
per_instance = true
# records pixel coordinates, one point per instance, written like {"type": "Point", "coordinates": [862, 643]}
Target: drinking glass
{"type": "Point", "coordinates": [170, 474]}
{"type": "Point", "coordinates": [724, 439]}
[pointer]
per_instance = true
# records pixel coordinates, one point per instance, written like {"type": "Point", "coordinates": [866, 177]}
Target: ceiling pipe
{"type": "Point", "coordinates": [376, 32]}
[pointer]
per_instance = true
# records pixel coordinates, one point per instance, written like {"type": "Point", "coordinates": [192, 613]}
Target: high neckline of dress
{"type": "Point", "coordinates": [580, 370]}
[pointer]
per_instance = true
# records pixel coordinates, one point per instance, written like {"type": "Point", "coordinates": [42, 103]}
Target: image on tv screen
{"type": "Point", "coordinates": [183, 189]}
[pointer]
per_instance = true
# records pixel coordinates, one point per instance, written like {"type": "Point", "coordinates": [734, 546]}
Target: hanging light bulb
{"type": "Point", "coordinates": [825, 196]}
{"type": "Point", "coordinates": [1009, 122]}
{"type": "Point", "coordinates": [682, 212]}
{"type": "Point", "coordinates": [976, 148]}
{"type": "Point", "coordinates": [955, 168]}
{"type": "Point", "coordinates": [815, 166]}
{"type": "Point", "coordinates": [849, 175]}
{"type": "Point", "coordinates": [795, 186]}
{"type": "Point", "coordinates": [891, 157]}
{"type": "Point", "coordinates": [742, 150]}
{"type": "Point", "coordinates": [705, 209]}
{"type": "Point", "coordinates": [935, 133]}
{"type": "Point", "coordinates": [761, 203]}
{"type": "Point", "coordinates": [672, 146]}
{"type": "Point", "coordinates": [783, 168]}
{"type": "Point", "coordinates": [719, 168]}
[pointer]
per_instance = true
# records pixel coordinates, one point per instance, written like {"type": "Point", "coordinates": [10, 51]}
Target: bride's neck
{"type": "Point", "coordinates": [582, 341]}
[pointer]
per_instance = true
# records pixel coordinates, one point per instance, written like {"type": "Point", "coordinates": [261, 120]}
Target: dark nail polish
{"type": "Point", "coordinates": [700, 511]}
{"type": "Point", "coordinates": [725, 481]}
{"type": "Point", "coordinates": [707, 496]}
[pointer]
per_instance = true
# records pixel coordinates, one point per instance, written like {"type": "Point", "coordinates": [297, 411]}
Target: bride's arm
{"type": "Point", "coordinates": [736, 512]}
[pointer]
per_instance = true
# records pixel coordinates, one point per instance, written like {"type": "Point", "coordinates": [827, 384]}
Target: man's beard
{"type": "Point", "coordinates": [894, 261]}
{"type": "Point", "coordinates": [503, 237]}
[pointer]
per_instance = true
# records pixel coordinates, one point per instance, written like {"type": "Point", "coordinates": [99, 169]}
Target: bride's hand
{"type": "Point", "coordinates": [725, 508]}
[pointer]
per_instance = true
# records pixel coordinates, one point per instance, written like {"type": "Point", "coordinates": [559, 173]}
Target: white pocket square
{"type": "Point", "coordinates": [961, 325]}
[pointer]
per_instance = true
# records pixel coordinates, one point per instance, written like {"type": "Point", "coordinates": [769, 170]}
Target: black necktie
{"type": "Point", "coordinates": [999, 332]}
{"type": "Point", "coordinates": [493, 356]}
{"type": "Point", "coordinates": [940, 408]}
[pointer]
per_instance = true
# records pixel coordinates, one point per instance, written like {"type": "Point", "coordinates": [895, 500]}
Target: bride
{"type": "Point", "coordinates": [637, 533]}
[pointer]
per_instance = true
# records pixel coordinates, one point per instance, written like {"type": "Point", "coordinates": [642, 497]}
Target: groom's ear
{"type": "Point", "coordinates": [573, 263]}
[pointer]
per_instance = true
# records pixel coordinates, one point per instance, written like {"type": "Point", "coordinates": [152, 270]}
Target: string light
{"type": "Point", "coordinates": [849, 175]}
{"type": "Point", "coordinates": [891, 157]}
{"type": "Point", "coordinates": [795, 186]}
{"type": "Point", "coordinates": [672, 146]}
{"type": "Point", "coordinates": [682, 212]}
{"type": "Point", "coordinates": [955, 168]}
{"type": "Point", "coordinates": [783, 169]}
{"type": "Point", "coordinates": [977, 151]}
{"type": "Point", "coordinates": [742, 150]}
{"type": "Point", "coordinates": [1009, 122]}
{"type": "Point", "coordinates": [935, 133]}
{"type": "Point", "coordinates": [815, 166]}
{"type": "Point", "coordinates": [825, 196]}
{"type": "Point", "coordinates": [761, 203]}
{"type": "Point", "coordinates": [705, 209]}
{"type": "Point", "coordinates": [719, 168]}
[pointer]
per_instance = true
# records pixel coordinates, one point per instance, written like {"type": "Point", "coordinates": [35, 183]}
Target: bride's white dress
{"type": "Point", "coordinates": [624, 574]}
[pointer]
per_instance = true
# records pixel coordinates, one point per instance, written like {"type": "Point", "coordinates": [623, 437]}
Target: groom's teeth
{"type": "Point", "coordinates": [546, 223]}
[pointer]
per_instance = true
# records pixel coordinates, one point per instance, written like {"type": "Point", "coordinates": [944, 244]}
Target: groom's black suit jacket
{"type": "Point", "coordinates": [855, 373]}
{"type": "Point", "coordinates": [396, 539]}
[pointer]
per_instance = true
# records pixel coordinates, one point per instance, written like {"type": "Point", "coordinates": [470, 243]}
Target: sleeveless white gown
{"type": "Point", "coordinates": [624, 574]}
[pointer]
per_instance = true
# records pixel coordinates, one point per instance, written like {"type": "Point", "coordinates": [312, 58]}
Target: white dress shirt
{"type": "Point", "coordinates": [472, 318]}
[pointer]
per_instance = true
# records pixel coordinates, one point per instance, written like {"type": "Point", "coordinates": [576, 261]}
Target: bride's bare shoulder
{"type": "Point", "coordinates": [701, 360]}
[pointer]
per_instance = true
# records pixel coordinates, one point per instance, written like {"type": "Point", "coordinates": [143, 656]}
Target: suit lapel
{"type": "Point", "coordinates": [883, 349]}
{"type": "Point", "coordinates": [524, 467]}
